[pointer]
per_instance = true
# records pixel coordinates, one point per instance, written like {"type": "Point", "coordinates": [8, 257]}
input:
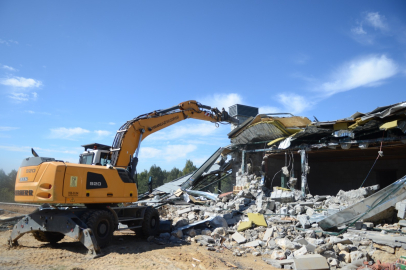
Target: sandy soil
{"type": "Point", "coordinates": [126, 251]}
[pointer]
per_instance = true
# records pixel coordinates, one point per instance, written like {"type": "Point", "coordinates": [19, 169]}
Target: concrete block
{"type": "Point", "coordinates": [311, 248]}
{"type": "Point", "coordinates": [285, 244]}
{"type": "Point", "coordinates": [184, 211]}
{"type": "Point", "coordinates": [357, 255]}
{"type": "Point", "coordinates": [253, 243]}
{"type": "Point", "coordinates": [300, 252]}
{"type": "Point", "coordinates": [309, 262]}
{"type": "Point", "coordinates": [268, 234]}
{"type": "Point", "coordinates": [344, 241]}
{"type": "Point", "coordinates": [177, 234]}
{"type": "Point", "coordinates": [238, 238]}
{"type": "Point", "coordinates": [302, 241]}
{"type": "Point", "coordinates": [304, 221]}
{"type": "Point", "coordinates": [278, 255]}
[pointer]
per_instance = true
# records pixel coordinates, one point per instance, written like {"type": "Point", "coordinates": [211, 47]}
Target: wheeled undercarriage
{"type": "Point", "coordinates": [93, 225]}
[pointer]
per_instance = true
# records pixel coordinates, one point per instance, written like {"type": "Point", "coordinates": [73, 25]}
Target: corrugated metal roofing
{"type": "Point", "coordinates": [173, 185]}
{"type": "Point", "coordinates": [259, 132]}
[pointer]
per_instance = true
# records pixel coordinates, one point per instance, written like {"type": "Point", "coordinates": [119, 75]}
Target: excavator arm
{"type": "Point", "coordinates": [129, 136]}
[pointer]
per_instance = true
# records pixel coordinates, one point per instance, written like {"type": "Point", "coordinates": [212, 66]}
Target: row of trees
{"type": "Point", "coordinates": [7, 185]}
{"type": "Point", "coordinates": [158, 175]}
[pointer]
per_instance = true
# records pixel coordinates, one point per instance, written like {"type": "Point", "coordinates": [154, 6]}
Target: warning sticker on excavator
{"type": "Point", "coordinates": [73, 181]}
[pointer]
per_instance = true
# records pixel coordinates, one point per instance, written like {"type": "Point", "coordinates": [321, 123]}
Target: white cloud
{"type": "Point", "coordinates": [39, 150]}
{"type": "Point", "coordinates": [368, 71]}
{"type": "Point", "coordinates": [102, 133]}
{"type": "Point", "coordinates": [363, 72]}
{"type": "Point", "coordinates": [294, 103]}
{"type": "Point", "coordinates": [19, 96]}
{"type": "Point", "coordinates": [112, 123]}
{"type": "Point", "coordinates": [376, 27]}
{"type": "Point", "coordinates": [16, 148]}
{"type": "Point", "coordinates": [8, 42]}
{"type": "Point", "coordinates": [199, 161]}
{"type": "Point", "coordinates": [268, 109]}
{"type": "Point", "coordinates": [358, 30]}
{"type": "Point", "coordinates": [376, 20]}
{"type": "Point", "coordinates": [168, 152]}
{"type": "Point", "coordinates": [67, 133]}
{"type": "Point", "coordinates": [34, 112]}
{"type": "Point", "coordinates": [223, 100]}
{"type": "Point", "coordinates": [149, 152]}
{"type": "Point", "coordinates": [8, 128]}
{"type": "Point", "coordinates": [301, 59]}
{"type": "Point", "coordinates": [8, 68]}
{"type": "Point", "coordinates": [174, 152]}
{"type": "Point", "coordinates": [185, 131]}
{"type": "Point", "coordinates": [21, 82]}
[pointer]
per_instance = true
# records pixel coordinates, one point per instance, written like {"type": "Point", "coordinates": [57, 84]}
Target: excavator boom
{"type": "Point", "coordinates": [130, 135]}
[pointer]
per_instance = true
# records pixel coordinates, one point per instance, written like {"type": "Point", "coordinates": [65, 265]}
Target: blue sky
{"type": "Point", "coordinates": [72, 72]}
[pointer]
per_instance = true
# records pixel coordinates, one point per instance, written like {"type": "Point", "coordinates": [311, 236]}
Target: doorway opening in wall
{"type": "Point", "coordinates": [386, 177]}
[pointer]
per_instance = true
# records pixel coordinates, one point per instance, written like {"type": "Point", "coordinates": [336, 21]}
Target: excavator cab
{"type": "Point", "coordinates": [98, 155]}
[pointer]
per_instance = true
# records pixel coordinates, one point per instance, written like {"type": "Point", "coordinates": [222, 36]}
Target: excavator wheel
{"type": "Point", "coordinates": [101, 222]}
{"type": "Point", "coordinates": [150, 224]}
{"type": "Point", "coordinates": [85, 216]}
{"type": "Point", "coordinates": [49, 237]}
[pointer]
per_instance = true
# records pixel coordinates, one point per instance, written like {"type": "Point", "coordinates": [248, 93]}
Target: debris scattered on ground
{"type": "Point", "coordinates": [285, 232]}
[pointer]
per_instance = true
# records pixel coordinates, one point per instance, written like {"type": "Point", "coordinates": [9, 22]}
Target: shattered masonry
{"type": "Point", "coordinates": [307, 194]}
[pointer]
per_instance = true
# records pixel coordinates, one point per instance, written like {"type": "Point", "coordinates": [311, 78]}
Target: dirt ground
{"type": "Point", "coordinates": [126, 251]}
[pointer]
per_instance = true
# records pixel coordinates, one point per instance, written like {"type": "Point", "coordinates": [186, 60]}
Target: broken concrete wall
{"type": "Point", "coordinates": [337, 170]}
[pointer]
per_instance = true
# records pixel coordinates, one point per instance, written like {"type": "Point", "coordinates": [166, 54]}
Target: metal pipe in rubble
{"type": "Point", "coordinates": [243, 162]}
{"type": "Point", "coordinates": [304, 172]}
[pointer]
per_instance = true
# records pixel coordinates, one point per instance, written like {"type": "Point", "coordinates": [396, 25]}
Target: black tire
{"type": "Point", "coordinates": [48, 237]}
{"type": "Point", "coordinates": [85, 216]}
{"type": "Point", "coordinates": [150, 224]}
{"type": "Point", "coordinates": [102, 225]}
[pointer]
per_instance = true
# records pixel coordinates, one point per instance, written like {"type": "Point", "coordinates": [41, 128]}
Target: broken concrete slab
{"type": "Point", "coordinates": [253, 243]}
{"type": "Point", "coordinates": [309, 262]}
{"type": "Point", "coordinates": [239, 238]}
{"type": "Point", "coordinates": [184, 211]}
{"type": "Point", "coordinates": [301, 251]}
{"type": "Point", "coordinates": [285, 244]}
{"type": "Point", "coordinates": [370, 206]}
{"type": "Point", "coordinates": [282, 196]}
{"type": "Point", "coordinates": [268, 234]}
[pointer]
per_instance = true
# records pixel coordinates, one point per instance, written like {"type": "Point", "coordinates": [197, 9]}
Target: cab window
{"type": "Point", "coordinates": [86, 159]}
{"type": "Point", "coordinates": [105, 159]}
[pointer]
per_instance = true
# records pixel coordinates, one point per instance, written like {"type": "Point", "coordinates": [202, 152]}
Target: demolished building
{"type": "Point", "coordinates": [340, 153]}
{"type": "Point", "coordinates": [303, 190]}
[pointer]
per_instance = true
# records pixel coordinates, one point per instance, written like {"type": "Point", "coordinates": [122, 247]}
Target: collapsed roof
{"type": "Point", "coordinates": [297, 132]}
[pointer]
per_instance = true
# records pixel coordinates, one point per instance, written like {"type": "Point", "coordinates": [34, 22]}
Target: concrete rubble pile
{"type": "Point", "coordinates": [282, 228]}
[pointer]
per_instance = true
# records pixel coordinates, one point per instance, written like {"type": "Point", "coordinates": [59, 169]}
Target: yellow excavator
{"type": "Point", "coordinates": [103, 179]}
